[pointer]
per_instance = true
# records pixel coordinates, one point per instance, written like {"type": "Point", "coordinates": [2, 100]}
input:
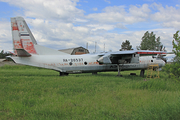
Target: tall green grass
{"type": "Point", "coordinates": [35, 93]}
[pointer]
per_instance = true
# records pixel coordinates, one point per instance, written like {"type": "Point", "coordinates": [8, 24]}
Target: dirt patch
{"type": "Point", "coordinates": [7, 63]}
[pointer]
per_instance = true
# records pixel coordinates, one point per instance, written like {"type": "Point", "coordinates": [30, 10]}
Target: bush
{"type": "Point", "coordinates": [173, 70]}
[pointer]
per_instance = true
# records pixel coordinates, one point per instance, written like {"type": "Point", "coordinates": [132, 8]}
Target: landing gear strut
{"type": "Point", "coordinates": [63, 74]}
{"type": "Point", "coordinates": [142, 73]}
{"type": "Point", "coordinates": [94, 73]}
{"type": "Point", "coordinates": [119, 70]}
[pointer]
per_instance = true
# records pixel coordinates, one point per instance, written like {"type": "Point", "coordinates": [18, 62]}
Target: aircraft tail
{"type": "Point", "coordinates": [24, 42]}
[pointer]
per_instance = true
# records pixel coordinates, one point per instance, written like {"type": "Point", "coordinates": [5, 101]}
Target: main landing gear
{"type": "Point", "coordinates": [119, 70]}
{"type": "Point", "coordinates": [94, 73]}
{"type": "Point", "coordinates": [142, 73]}
{"type": "Point", "coordinates": [63, 74]}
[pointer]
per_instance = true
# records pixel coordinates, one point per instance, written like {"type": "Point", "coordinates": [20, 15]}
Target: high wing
{"type": "Point", "coordinates": [122, 57]}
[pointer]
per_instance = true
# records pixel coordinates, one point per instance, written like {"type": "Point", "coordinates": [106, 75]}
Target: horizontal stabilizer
{"type": "Point", "coordinates": [22, 53]}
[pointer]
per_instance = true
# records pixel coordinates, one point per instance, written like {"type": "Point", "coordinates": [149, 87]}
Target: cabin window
{"type": "Point", "coordinates": [85, 63]}
{"type": "Point", "coordinates": [151, 60]}
{"type": "Point", "coordinates": [70, 63]}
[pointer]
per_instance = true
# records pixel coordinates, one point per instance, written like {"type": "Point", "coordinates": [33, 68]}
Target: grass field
{"type": "Point", "coordinates": [34, 93]}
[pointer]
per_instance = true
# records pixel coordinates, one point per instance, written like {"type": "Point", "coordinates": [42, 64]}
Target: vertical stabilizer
{"type": "Point", "coordinates": [22, 36]}
{"type": "Point", "coordinates": [24, 41]}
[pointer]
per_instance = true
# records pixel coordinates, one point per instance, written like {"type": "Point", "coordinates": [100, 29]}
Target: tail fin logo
{"type": "Point", "coordinates": [17, 44]}
{"type": "Point", "coordinates": [22, 36]}
{"type": "Point", "coordinates": [28, 46]}
{"type": "Point", "coordinates": [14, 26]}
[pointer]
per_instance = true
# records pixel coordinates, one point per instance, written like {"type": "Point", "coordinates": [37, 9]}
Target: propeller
{"type": "Point", "coordinates": [163, 56]}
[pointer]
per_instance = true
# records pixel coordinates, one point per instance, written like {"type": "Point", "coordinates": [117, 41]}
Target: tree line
{"type": "Point", "coordinates": [149, 42]}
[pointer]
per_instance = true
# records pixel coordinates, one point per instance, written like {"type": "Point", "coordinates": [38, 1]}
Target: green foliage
{"type": "Point", "coordinates": [4, 54]}
{"type": "Point", "coordinates": [176, 45]}
{"type": "Point", "coordinates": [126, 46]}
{"type": "Point", "coordinates": [33, 93]}
{"type": "Point", "coordinates": [150, 42]}
{"type": "Point", "coordinates": [173, 69]}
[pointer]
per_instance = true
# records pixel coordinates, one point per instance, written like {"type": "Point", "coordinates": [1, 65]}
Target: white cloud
{"type": "Point", "coordinates": [95, 9]}
{"type": "Point", "coordinates": [142, 12]}
{"type": "Point", "coordinates": [65, 26]}
{"type": "Point", "coordinates": [174, 24]}
{"type": "Point", "coordinates": [49, 9]}
{"type": "Point", "coordinates": [119, 14]}
{"type": "Point", "coordinates": [169, 16]}
{"type": "Point", "coordinates": [95, 27]}
{"type": "Point", "coordinates": [5, 36]}
{"type": "Point", "coordinates": [107, 1]}
{"type": "Point", "coordinates": [121, 26]}
{"type": "Point", "coordinates": [80, 20]}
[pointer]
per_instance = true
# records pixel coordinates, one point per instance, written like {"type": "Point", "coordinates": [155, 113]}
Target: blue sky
{"type": "Point", "coordinates": [62, 24]}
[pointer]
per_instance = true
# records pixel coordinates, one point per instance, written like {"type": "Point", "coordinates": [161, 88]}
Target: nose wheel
{"type": "Point", "coordinates": [63, 74]}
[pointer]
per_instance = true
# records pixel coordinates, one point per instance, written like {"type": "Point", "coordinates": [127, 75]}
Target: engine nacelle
{"type": "Point", "coordinates": [104, 60]}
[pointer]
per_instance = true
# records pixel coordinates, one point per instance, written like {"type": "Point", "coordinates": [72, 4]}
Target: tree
{"type": "Point", "coordinates": [150, 42]}
{"type": "Point", "coordinates": [4, 54]}
{"type": "Point", "coordinates": [126, 46]}
{"type": "Point", "coordinates": [176, 47]}
{"type": "Point", "coordinates": [173, 70]}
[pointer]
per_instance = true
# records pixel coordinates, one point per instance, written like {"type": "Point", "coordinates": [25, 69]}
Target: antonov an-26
{"type": "Point", "coordinates": [28, 52]}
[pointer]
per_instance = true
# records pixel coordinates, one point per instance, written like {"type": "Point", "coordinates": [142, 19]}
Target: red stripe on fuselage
{"type": "Point", "coordinates": [151, 53]}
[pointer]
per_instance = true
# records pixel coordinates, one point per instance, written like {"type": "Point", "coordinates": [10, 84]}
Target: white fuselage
{"type": "Point", "coordinates": [82, 63]}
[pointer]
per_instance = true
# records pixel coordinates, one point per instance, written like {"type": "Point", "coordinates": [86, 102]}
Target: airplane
{"type": "Point", "coordinates": [28, 52]}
